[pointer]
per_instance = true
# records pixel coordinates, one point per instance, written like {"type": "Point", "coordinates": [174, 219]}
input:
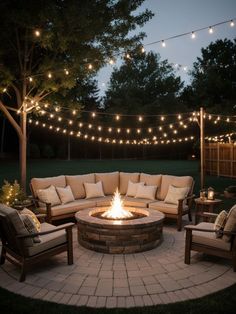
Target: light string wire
{"type": "Point", "coordinates": [127, 55]}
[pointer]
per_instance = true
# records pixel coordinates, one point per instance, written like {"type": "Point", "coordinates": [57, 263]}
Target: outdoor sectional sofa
{"type": "Point", "coordinates": [110, 182]}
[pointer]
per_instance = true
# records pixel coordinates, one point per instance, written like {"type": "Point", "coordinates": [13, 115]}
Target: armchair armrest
{"type": "Point", "coordinates": [62, 227]}
{"type": "Point", "coordinates": [196, 228]}
{"type": "Point", "coordinates": [48, 208]}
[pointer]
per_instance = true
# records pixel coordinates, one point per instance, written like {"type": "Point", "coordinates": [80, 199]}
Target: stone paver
{"type": "Point", "coordinates": [142, 279]}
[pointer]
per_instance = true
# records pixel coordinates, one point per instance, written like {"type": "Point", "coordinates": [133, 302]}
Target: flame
{"type": "Point", "coordinates": [117, 211]}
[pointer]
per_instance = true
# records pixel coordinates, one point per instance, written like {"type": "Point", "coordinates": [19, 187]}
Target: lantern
{"type": "Point", "coordinates": [210, 194]}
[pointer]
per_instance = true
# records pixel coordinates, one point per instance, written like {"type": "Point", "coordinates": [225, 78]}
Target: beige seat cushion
{"type": "Point", "coordinates": [77, 184]}
{"type": "Point", "coordinates": [110, 181]}
{"type": "Point", "coordinates": [180, 182]}
{"type": "Point", "coordinates": [209, 238]}
{"type": "Point", "coordinates": [43, 183]}
{"type": "Point", "coordinates": [165, 207]}
{"type": "Point", "coordinates": [69, 208]}
{"type": "Point", "coordinates": [47, 241]}
{"type": "Point", "coordinates": [230, 225]}
{"type": "Point", "coordinates": [136, 202]}
{"type": "Point", "coordinates": [102, 201]}
{"type": "Point", "coordinates": [125, 177]}
{"type": "Point", "coordinates": [18, 225]}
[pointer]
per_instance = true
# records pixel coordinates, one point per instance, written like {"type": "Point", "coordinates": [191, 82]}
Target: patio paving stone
{"type": "Point", "coordinates": [142, 279]}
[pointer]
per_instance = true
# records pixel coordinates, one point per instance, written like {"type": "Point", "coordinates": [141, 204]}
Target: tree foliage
{"type": "Point", "coordinates": [143, 84]}
{"type": "Point", "coordinates": [47, 46]}
{"type": "Point", "coordinates": [214, 78]}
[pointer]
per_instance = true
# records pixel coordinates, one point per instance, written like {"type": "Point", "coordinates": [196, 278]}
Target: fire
{"type": "Point", "coordinates": [117, 211]}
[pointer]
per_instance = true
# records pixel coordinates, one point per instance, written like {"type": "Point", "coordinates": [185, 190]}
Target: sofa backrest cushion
{"type": "Point", "coordinates": [179, 182]}
{"type": "Point", "coordinates": [77, 184]}
{"type": "Point", "coordinates": [110, 181]}
{"type": "Point", "coordinates": [151, 179]}
{"type": "Point", "coordinates": [125, 177]}
{"type": "Point", "coordinates": [43, 183]}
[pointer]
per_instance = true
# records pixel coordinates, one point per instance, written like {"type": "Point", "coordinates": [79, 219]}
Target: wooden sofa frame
{"type": "Point", "coordinates": [189, 245]}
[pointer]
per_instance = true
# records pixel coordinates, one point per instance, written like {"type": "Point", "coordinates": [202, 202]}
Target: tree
{"type": "Point", "coordinates": [49, 47]}
{"type": "Point", "coordinates": [143, 84]}
{"type": "Point", "coordinates": [214, 78]}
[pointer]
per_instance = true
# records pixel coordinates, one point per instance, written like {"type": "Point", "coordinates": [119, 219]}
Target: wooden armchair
{"type": "Point", "coordinates": [202, 238]}
{"type": "Point", "coordinates": [19, 248]}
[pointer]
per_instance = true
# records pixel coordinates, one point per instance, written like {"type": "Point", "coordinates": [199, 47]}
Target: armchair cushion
{"type": "Point", "coordinates": [49, 195]}
{"type": "Point", "coordinates": [30, 226]}
{"type": "Point", "coordinates": [37, 223]}
{"type": "Point", "coordinates": [48, 240]}
{"type": "Point", "coordinates": [220, 223]}
{"type": "Point", "coordinates": [175, 193]}
{"type": "Point", "coordinates": [230, 225]}
{"type": "Point", "coordinates": [209, 238]}
{"type": "Point", "coordinates": [18, 225]}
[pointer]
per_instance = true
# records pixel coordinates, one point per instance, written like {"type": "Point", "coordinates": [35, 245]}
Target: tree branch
{"type": "Point", "coordinates": [11, 119]}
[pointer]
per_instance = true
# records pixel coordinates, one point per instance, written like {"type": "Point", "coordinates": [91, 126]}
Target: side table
{"type": "Point", "coordinates": [205, 205]}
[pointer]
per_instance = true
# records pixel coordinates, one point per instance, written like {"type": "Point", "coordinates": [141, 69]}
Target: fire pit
{"type": "Point", "coordinates": [119, 229]}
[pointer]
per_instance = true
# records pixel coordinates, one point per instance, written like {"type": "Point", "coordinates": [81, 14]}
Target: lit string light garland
{"type": "Point", "coordinates": [127, 55]}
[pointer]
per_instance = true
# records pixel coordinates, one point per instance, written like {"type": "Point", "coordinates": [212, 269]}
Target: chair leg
{"type": "Point", "coordinates": [188, 240]}
{"type": "Point", "coordinates": [3, 256]}
{"type": "Point", "coordinates": [69, 247]}
{"type": "Point", "coordinates": [179, 223]}
{"type": "Point", "coordinates": [23, 272]}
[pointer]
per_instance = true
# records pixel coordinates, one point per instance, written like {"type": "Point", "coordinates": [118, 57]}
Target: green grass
{"type": "Point", "coordinates": [221, 302]}
{"type": "Point", "coordinates": [218, 303]}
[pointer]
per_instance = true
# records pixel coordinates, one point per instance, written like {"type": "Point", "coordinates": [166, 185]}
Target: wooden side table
{"type": "Point", "coordinates": [205, 205]}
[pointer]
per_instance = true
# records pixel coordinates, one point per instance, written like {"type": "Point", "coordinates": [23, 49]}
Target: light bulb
{"type": "Point", "coordinates": [163, 43]}
{"type": "Point", "coordinates": [140, 118]}
{"type": "Point", "coordinates": [111, 62]}
{"type": "Point", "coordinates": [90, 126]}
{"type": "Point", "coordinates": [193, 35]}
{"type": "Point", "coordinates": [110, 130]}
{"type": "Point", "coordinates": [66, 72]}
{"type": "Point", "coordinates": [149, 130]}
{"type": "Point", "coordinates": [99, 128]}
{"type": "Point", "coordinates": [118, 130]}
{"type": "Point", "coordinates": [117, 117]}
{"type": "Point", "coordinates": [37, 33]}
{"type": "Point", "coordinates": [74, 112]}
{"type": "Point", "coordinates": [70, 122]}
{"type": "Point", "coordinates": [128, 131]}
{"type": "Point", "coordinates": [210, 30]}
{"type": "Point", "coordinates": [90, 66]}
{"type": "Point", "coordinates": [49, 75]}
{"type": "Point", "coordinates": [232, 23]}
{"type": "Point", "coordinates": [162, 118]}
{"type": "Point", "coordinates": [30, 79]}
{"type": "Point", "coordinates": [142, 49]}
{"type": "Point", "coordinates": [93, 114]}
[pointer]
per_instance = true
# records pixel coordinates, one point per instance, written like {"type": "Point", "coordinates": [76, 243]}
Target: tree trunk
{"type": "Point", "coordinates": [23, 150]}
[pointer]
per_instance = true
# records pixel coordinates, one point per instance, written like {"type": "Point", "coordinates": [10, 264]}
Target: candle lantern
{"type": "Point", "coordinates": [210, 193]}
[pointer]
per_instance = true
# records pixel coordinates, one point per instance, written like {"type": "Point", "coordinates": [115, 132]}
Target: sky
{"type": "Point", "coordinates": [173, 17]}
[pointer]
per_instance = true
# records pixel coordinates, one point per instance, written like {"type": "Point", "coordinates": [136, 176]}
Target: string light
{"type": "Point", "coordinates": [210, 30]}
{"type": "Point", "coordinates": [74, 112]}
{"type": "Point", "coordinates": [193, 35]}
{"type": "Point", "coordinates": [117, 117]}
{"type": "Point", "coordinates": [93, 114]}
{"type": "Point", "coordinates": [37, 33]}
{"type": "Point", "coordinates": [66, 72]}
{"type": "Point", "coordinates": [163, 43]}
{"type": "Point", "coordinates": [142, 49]}
{"type": "Point", "coordinates": [140, 119]}
{"type": "Point", "coordinates": [49, 75]}
{"type": "Point", "coordinates": [232, 23]}
{"type": "Point", "coordinates": [90, 66]}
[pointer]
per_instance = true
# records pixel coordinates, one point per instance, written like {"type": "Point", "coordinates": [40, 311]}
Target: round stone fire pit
{"type": "Point", "coordinates": [120, 236]}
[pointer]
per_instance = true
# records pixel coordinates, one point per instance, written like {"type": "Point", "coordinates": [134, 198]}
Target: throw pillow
{"type": "Point", "coordinates": [30, 226]}
{"type": "Point", "coordinates": [146, 191]}
{"type": "Point", "coordinates": [220, 223]}
{"type": "Point", "coordinates": [49, 195]}
{"type": "Point", "coordinates": [230, 225]}
{"type": "Point", "coordinates": [65, 194]}
{"type": "Point", "coordinates": [94, 189]}
{"type": "Point", "coordinates": [174, 194]}
{"type": "Point", "coordinates": [26, 211]}
{"type": "Point", "coordinates": [132, 188]}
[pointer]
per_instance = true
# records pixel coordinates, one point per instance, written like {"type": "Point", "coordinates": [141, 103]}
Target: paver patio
{"type": "Point", "coordinates": [142, 279]}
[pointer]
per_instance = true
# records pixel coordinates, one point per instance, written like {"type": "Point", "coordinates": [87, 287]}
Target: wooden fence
{"type": "Point", "coordinates": [220, 159]}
